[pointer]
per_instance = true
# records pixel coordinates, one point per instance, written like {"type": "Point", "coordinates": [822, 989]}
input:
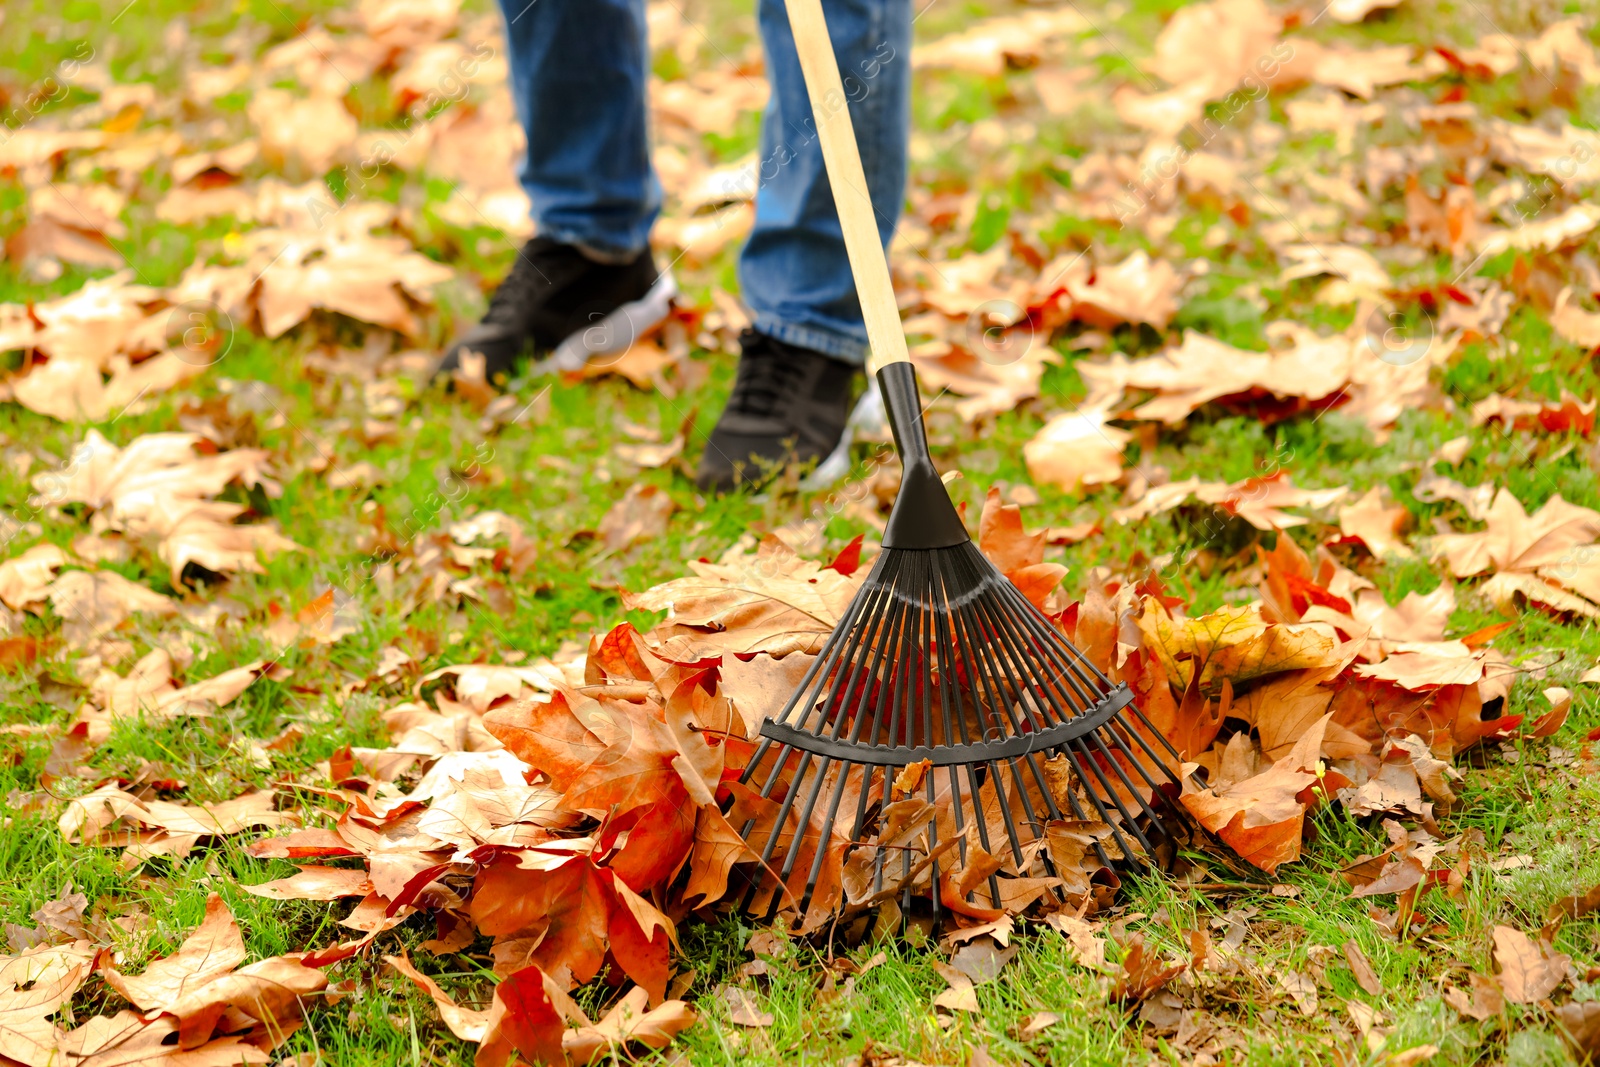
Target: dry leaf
{"type": "Point", "coordinates": [741, 1008]}
{"type": "Point", "coordinates": [640, 515]}
{"type": "Point", "coordinates": [1076, 449]}
{"type": "Point", "coordinates": [1529, 970]}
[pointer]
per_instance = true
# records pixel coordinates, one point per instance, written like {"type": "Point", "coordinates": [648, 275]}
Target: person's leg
{"type": "Point", "coordinates": [579, 72]}
{"type": "Point", "coordinates": [791, 399]}
{"type": "Point", "coordinates": [587, 284]}
{"type": "Point", "coordinates": [794, 274]}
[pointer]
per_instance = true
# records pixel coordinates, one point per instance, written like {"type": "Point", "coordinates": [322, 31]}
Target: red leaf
{"type": "Point", "coordinates": [659, 837]}
{"type": "Point", "coordinates": [531, 1022]}
{"type": "Point", "coordinates": [568, 898]}
{"type": "Point", "coordinates": [848, 559]}
{"type": "Point", "coordinates": [641, 941]}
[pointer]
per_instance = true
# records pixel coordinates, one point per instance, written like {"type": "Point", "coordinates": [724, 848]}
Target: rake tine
{"type": "Point", "coordinates": [1138, 765]}
{"type": "Point", "coordinates": [822, 839]}
{"type": "Point", "coordinates": [933, 844]}
{"type": "Point", "coordinates": [1116, 765]}
{"type": "Point", "coordinates": [805, 819]}
{"type": "Point", "coordinates": [836, 640]}
{"type": "Point", "coordinates": [1090, 683]}
{"type": "Point", "coordinates": [788, 804]}
{"type": "Point", "coordinates": [1016, 775]}
{"type": "Point", "coordinates": [1078, 813]}
{"type": "Point", "coordinates": [1105, 783]}
{"type": "Point", "coordinates": [1160, 737]}
{"type": "Point", "coordinates": [1073, 758]}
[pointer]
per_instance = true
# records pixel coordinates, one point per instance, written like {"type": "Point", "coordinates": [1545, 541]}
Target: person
{"type": "Point", "coordinates": [587, 283]}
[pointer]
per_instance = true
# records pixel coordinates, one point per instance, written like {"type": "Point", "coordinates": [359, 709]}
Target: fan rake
{"type": "Point", "coordinates": [942, 680]}
{"type": "Point", "coordinates": [944, 708]}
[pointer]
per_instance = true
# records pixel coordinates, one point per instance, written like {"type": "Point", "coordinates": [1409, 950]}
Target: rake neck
{"type": "Point", "coordinates": [923, 516]}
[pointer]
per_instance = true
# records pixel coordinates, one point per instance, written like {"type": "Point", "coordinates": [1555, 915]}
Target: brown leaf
{"type": "Point", "coordinates": [526, 1016]}
{"type": "Point", "coordinates": [1580, 1025]}
{"type": "Point", "coordinates": [640, 515]}
{"type": "Point", "coordinates": [1529, 970]}
{"type": "Point", "coordinates": [34, 985]}
{"type": "Point", "coordinates": [315, 843]}
{"type": "Point", "coordinates": [1301, 989]}
{"type": "Point", "coordinates": [1575, 907]}
{"type": "Point", "coordinates": [1261, 816]}
{"type": "Point", "coordinates": [567, 897]}
{"type": "Point", "coordinates": [1017, 554]}
{"type": "Point", "coordinates": [1361, 968]}
{"type": "Point", "coordinates": [1374, 525]}
{"type": "Point", "coordinates": [629, 1023]}
{"type": "Point", "coordinates": [741, 1008]}
{"type": "Point", "coordinates": [772, 601]}
{"type": "Point", "coordinates": [1142, 973]}
{"type": "Point", "coordinates": [93, 603]}
{"type": "Point", "coordinates": [1514, 540]}
{"type": "Point", "coordinates": [465, 1023]}
{"type": "Point", "coordinates": [1236, 644]}
{"type": "Point", "coordinates": [214, 949]}
{"type": "Point", "coordinates": [1551, 721]}
{"type": "Point", "coordinates": [1076, 449]}
{"type": "Point", "coordinates": [717, 847]}
{"type": "Point", "coordinates": [269, 991]}
{"type": "Point", "coordinates": [1486, 1000]}
{"type": "Point", "coordinates": [314, 883]}
{"type": "Point", "coordinates": [960, 996]}
{"type": "Point", "coordinates": [127, 1040]}
{"type": "Point", "coordinates": [25, 579]}
{"type": "Point", "coordinates": [981, 960]}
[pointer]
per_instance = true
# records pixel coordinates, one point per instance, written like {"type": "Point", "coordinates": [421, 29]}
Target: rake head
{"type": "Point", "coordinates": [946, 734]}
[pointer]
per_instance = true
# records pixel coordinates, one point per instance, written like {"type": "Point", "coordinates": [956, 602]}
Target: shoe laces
{"type": "Point", "coordinates": [765, 378]}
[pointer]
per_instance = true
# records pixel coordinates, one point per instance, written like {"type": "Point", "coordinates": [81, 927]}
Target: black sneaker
{"type": "Point", "coordinates": [789, 405]}
{"type": "Point", "coordinates": [558, 300]}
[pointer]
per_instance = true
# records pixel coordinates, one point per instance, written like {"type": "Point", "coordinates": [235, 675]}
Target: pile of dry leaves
{"type": "Point", "coordinates": [577, 812]}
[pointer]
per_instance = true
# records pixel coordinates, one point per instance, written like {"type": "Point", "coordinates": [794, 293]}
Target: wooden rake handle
{"type": "Point", "coordinates": [842, 158]}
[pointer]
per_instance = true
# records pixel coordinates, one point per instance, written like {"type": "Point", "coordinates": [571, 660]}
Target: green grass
{"type": "Point", "coordinates": [556, 472]}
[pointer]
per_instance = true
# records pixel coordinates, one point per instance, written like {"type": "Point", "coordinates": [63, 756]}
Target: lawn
{"type": "Point", "coordinates": [1059, 230]}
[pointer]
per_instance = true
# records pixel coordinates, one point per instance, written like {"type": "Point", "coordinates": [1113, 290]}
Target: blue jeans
{"type": "Point", "coordinates": [578, 72]}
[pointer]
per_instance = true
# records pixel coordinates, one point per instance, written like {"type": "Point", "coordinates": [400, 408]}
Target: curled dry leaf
{"type": "Point", "coordinates": [1485, 1001]}
{"type": "Point", "coordinates": [93, 603]}
{"type": "Point", "coordinates": [1361, 968]}
{"type": "Point", "coordinates": [770, 601]}
{"type": "Point", "coordinates": [1142, 973]}
{"type": "Point", "coordinates": [1576, 906]}
{"type": "Point", "coordinates": [34, 986]}
{"type": "Point", "coordinates": [161, 827]}
{"type": "Point", "coordinates": [1261, 817]}
{"type": "Point", "coordinates": [1259, 501]}
{"type": "Point", "coordinates": [26, 579]}
{"type": "Point", "coordinates": [1580, 1025]}
{"type": "Point", "coordinates": [314, 883]}
{"type": "Point", "coordinates": [1076, 449]}
{"type": "Point", "coordinates": [1374, 525]}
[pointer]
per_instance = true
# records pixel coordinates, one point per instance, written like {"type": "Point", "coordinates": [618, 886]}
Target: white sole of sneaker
{"type": "Point", "coordinates": [616, 332]}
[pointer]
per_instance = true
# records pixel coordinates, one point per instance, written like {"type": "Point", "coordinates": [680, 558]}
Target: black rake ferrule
{"type": "Point", "coordinates": [1046, 741]}
{"type": "Point", "coordinates": [922, 516]}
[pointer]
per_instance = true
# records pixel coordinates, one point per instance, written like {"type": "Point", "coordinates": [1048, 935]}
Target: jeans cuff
{"type": "Point", "coordinates": [840, 346]}
{"type": "Point", "coordinates": [600, 251]}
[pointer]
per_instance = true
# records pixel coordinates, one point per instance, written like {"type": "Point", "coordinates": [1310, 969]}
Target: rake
{"type": "Point", "coordinates": [944, 707]}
